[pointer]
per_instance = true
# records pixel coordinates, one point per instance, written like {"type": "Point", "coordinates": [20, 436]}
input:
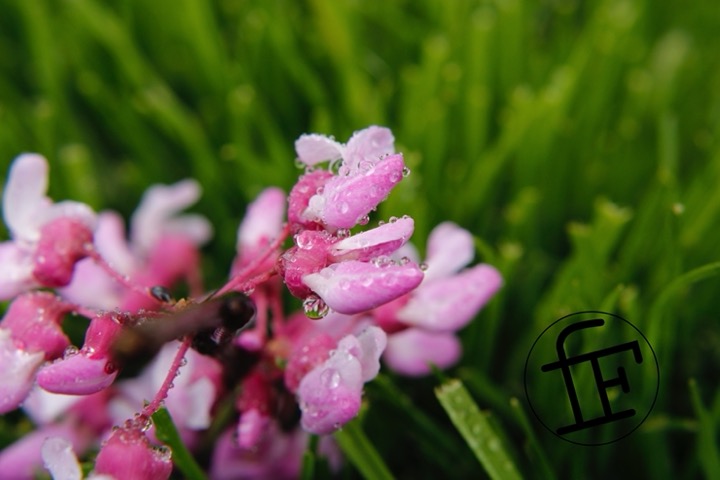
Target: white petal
{"type": "Point", "coordinates": [60, 459]}
{"type": "Point", "coordinates": [24, 196]}
{"type": "Point", "coordinates": [314, 148]}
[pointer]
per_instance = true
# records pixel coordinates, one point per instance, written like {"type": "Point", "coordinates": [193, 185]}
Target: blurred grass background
{"type": "Point", "coordinates": [578, 140]}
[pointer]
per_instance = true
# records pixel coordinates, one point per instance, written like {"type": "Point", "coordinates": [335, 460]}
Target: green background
{"type": "Point", "coordinates": [578, 140]}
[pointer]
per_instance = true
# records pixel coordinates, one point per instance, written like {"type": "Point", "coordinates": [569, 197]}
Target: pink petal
{"type": "Point", "coordinates": [305, 188]}
{"type": "Point", "coordinates": [250, 428]}
{"type": "Point", "coordinates": [59, 458]}
{"type": "Point", "coordinates": [158, 212]}
{"type": "Point", "coordinates": [354, 287]}
{"type": "Point", "coordinates": [63, 242]}
{"type": "Point", "coordinates": [450, 248]}
{"type": "Point", "coordinates": [16, 272]}
{"type": "Point", "coordinates": [263, 220]}
{"type": "Point", "coordinates": [24, 196]}
{"type": "Point", "coordinates": [448, 304]}
{"type": "Point", "coordinates": [411, 351]}
{"type": "Point", "coordinates": [128, 454]}
{"type": "Point", "coordinates": [34, 320]}
{"type": "Point", "coordinates": [17, 372]}
{"type": "Point", "coordinates": [345, 200]}
{"type": "Point", "coordinates": [368, 145]}
{"type": "Point", "coordinates": [382, 240]}
{"type": "Point", "coordinates": [330, 394]}
{"type": "Point", "coordinates": [74, 210]}
{"type": "Point", "coordinates": [314, 148]}
{"type": "Point", "coordinates": [22, 459]}
{"type": "Point", "coordinates": [44, 407]}
{"type": "Point", "coordinates": [77, 374]}
{"type": "Point", "coordinates": [373, 341]}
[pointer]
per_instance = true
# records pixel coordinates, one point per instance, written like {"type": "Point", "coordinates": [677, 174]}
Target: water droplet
{"type": "Point", "coordinates": [423, 266]}
{"type": "Point", "coordinates": [70, 351]}
{"type": "Point", "coordinates": [381, 222]}
{"type": "Point", "coordinates": [393, 219]}
{"type": "Point", "coordinates": [404, 261]}
{"type": "Point", "coordinates": [363, 220]}
{"type": "Point", "coordinates": [183, 362]}
{"type": "Point", "coordinates": [315, 308]}
{"type": "Point", "coordinates": [110, 368]}
{"type": "Point", "coordinates": [299, 163]}
{"type": "Point", "coordinates": [344, 207]}
{"type": "Point", "coordinates": [330, 378]}
{"type": "Point", "coordinates": [343, 233]}
{"type": "Point", "coordinates": [405, 171]}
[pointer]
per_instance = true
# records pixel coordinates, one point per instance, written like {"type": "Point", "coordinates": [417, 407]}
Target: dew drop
{"type": "Point", "coordinates": [315, 308]}
{"type": "Point", "coordinates": [183, 362]}
{"type": "Point", "coordinates": [330, 378]}
{"type": "Point", "coordinates": [363, 220]}
{"type": "Point", "coordinates": [299, 163]}
{"type": "Point", "coordinates": [70, 351]}
{"type": "Point", "coordinates": [404, 261]}
{"type": "Point", "coordinates": [393, 219]}
{"type": "Point", "coordinates": [405, 171]}
{"type": "Point", "coordinates": [423, 266]}
{"type": "Point", "coordinates": [343, 233]}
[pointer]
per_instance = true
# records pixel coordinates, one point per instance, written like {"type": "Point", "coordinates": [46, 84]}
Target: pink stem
{"type": "Point", "coordinates": [167, 384]}
{"type": "Point", "coordinates": [121, 279]}
{"type": "Point", "coordinates": [240, 278]}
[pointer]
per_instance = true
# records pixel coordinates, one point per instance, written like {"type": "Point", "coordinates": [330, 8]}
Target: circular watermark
{"type": "Point", "coordinates": [591, 378]}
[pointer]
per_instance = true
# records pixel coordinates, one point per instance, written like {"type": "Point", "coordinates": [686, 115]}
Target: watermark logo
{"type": "Point", "coordinates": [591, 378]}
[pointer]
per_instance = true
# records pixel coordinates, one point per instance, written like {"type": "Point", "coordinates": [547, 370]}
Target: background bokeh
{"type": "Point", "coordinates": [578, 140]}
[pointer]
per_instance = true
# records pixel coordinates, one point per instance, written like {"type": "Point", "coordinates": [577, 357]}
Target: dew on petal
{"type": "Point", "coordinates": [315, 308]}
{"type": "Point", "coordinates": [330, 378]}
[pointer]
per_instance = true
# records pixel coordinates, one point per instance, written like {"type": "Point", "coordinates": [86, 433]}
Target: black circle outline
{"type": "Point", "coordinates": [527, 394]}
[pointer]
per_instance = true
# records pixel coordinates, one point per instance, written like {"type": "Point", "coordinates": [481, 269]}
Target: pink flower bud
{"type": "Point", "coordinates": [128, 454]}
{"type": "Point", "coordinates": [63, 242]}
{"type": "Point", "coordinates": [34, 320]}
{"type": "Point", "coordinates": [330, 395]}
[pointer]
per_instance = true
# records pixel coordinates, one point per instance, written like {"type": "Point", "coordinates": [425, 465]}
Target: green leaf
{"type": "Point", "coordinates": [475, 428]}
{"type": "Point", "coordinates": [361, 453]}
{"type": "Point", "coordinates": [182, 458]}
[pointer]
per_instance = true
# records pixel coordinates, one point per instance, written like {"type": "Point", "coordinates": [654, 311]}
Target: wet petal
{"type": "Point", "coordinates": [382, 240]}
{"type": "Point", "coordinates": [345, 200]}
{"type": "Point", "coordinates": [128, 454]}
{"type": "Point", "coordinates": [411, 351]}
{"type": "Point", "coordinates": [77, 375]}
{"type": "Point", "coordinates": [354, 287]}
{"type": "Point", "coordinates": [315, 148]}
{"type": "Point", "coordinates": [448, 304]}
{"type": "Point", "coordinates": [450, 248]}
{"type": "Point", "coordinates": [368, 145]}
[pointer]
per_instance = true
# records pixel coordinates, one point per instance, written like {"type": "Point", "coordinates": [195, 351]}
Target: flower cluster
{"type": "Point", "coordinates": [365, 296]}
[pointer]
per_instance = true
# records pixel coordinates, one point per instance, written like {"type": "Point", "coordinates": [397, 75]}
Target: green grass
{"type": "Point", "coordinates": [576, 139]}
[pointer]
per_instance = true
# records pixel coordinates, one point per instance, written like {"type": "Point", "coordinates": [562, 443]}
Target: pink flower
{"type": "Point", "coordinates": [445, 302]}
{"type": "Point", "coordinates": [351, 274]}
{"type": "Point", "coordinates": [330, 394]}
{"type": "Point", "coordinates": [48, 238]}
{"type": "Point", "coordinates": [88, 370]}
{"type": "Point", "coordinates": [162, 249]}
{"type": "Point", "coordinates": [368, 172]}
{"type": "Point", "coordinates": [30, 333]}
{"type": "Point", "coordinates": [128, 454]}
